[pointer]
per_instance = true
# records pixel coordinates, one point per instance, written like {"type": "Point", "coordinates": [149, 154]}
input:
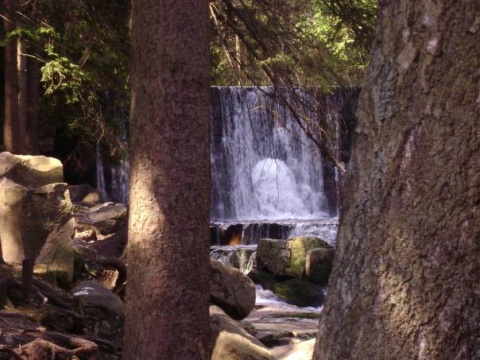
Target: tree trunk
{"type": "Point", "coordinates": [168, 250]}
{"type": "Point", "coordinates": [10, 120]}
{"type": "Point", "coordinates": [406, 278]}
{"type": "Point", "coordinates": [22, 97]}
{"type": "Point", "coordinates": [33, 95]}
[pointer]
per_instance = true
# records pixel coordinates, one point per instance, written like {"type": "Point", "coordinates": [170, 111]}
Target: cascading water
{"type": "Point", "coordinates": [268, 179]}
{"type": "Point", "coordinates": [263, 166]}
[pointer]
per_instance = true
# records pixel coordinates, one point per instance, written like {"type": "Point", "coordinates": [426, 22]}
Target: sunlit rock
{"type": "Point", "coordinates": [229, 341]}
{"type": "Point", "coordinates": [300, 351]}
{"type": "Point", "coordinates": [36, 214]}
{"type": "Point", "coordinates": [31, 171]}
{"type": "Point", "coordinates": [287, 257]}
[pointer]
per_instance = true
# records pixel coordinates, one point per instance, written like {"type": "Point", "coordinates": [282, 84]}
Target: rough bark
{"type": "Point", "coordinates": [168, 250]}
{"type": "Point", "coordinates": [33, 96]}
{"type": "Point", "coordinates": [406, 278]}
{"type": "Point", "coordinates": [10, 120]}
{"type": "Point", "coordinates": [22, 99]}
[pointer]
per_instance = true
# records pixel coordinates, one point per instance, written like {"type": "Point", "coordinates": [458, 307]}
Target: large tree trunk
{"type": "Point", "coordinates": [22, 73]}
{"type": "Point", "coordinates": [406, 278]}
{"type": "Point", "coordinates": [10, 119]}
{"type": "Point", "coordinates": [168, 251]}
{"type": "Point", "coordinates": [32, 141]}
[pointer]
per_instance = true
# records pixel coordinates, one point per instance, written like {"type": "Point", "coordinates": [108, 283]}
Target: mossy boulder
{"type": "Point", "coordinates": [318, 265]}
{"type": "Point", "coordinates": [264, 279]}
{"type": "Point", "coordinates": [287, 257]}
{"type": "Point", "coordinates": [300, 293]}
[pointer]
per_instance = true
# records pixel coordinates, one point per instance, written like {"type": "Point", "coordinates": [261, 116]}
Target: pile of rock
{"type": "Point", "coordinates": [78, 240]}
{"type": "Point", "coordinates": [71, 234]}
{"type": "Point", "coordinates": [36, 221]}
{"type": "Point", "coordinates": [296, 270]}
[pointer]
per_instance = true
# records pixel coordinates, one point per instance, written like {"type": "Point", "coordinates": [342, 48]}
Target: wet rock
{"type": "Point", "coordinates": [300, 293]}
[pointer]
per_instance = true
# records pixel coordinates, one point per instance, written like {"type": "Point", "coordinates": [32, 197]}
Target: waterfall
{"type": "Point", "coordinates": [263, 166]}
{"type": "Point", "coordinates": [268, 179]}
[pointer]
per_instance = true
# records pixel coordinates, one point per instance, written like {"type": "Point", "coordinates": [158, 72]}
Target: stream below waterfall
{"type": "Point", "coordinates": [268, 179]}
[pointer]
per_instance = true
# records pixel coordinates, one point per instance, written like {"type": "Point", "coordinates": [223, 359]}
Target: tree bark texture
{"type": "Point", "coordinates": [11, 139]}
{"type": "Point", "coordinates": [168, 250]}
{"type": "Point", "coordinates": [33, 95]}
{"type": "Point", "coordinates": [406, 278]}
{"type": "Point", "coordinates": [22, 99]}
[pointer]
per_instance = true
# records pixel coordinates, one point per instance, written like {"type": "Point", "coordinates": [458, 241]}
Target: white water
{"type": "Point", "coordinates": [268, 298]}
{"type": "Point", "coordinates": [264, 169]}
{"type": "Point", "coordinates": [263, 166]}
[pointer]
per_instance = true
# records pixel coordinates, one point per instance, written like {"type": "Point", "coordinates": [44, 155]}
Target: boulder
{"type": "Point", "coordinates": [300, 351]}
{"type": "Point", "coordinates": [287, 257]}
{"type": "Point", "coordinates": [318, 265]}
{"type": "Point", "coordinates": [300, 293]}
{"type": "Point", "coordinates": [30, 171]}
{"type": "Point", "coordinates": [37, 224]}
{"type": "Point", "coordinates": [241, 257]}
{"type": "Point", "coordinates": [231, 290]}
{"type": "Point", "coordinates": [229, 341]}
{"type": "Point", "coordinates": [265, 279]}
{"type": "Point", "coordinates": [104, 312]}
{"type": "Point", "coordinates": [106, 222]}
{"type": "Point", "coordinates": [104, 219]}
{"type": "Point", "coordinates": [85, 194]}
{"type": "Point", "coordinates": [35, 213]}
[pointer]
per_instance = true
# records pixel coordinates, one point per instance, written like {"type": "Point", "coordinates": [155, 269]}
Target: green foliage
{"type": "Point", "coordinates": [83, 47]}
{"type": "Point", "coordinates": [291, 43]}
{"type": "Point", "coordinates": [315, 45]}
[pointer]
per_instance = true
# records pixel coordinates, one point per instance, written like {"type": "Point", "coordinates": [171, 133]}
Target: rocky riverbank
{"type": "Point", "coordinates": [62, 295]}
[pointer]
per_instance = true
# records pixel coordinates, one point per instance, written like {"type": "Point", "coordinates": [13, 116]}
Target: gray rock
{"type": "Point", "coordinates": [31, 171]}
{"type": "Point", "coordinates": [287, 257]}
{"type": "Point", "coordinates": [85, 194]}
{"type": "Point", "coordinates": [229, 341]}
{"type": "Point", "coordinates": [276, 324]}
{"type": "Point", "coordinates": [37, 224]}
{"type": "Point", "coordinates": [300, 293]}
{"type": "Point", "coordinates": [318, 265]}
{"type": "Point", "coordinates": [300, 351]}
{"type": "Point", "coordinates": [105, 313]}
{"type": "Point", "coordinates": [104, 218]}
{"type": "Point", "coordinates": [231, 290]}
{"type": "Point", "coordinates": [90, 293]}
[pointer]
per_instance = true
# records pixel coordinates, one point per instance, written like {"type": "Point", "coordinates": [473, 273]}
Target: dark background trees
{"type": "Point", "coordinates": [405, 283]}
{"type": "Point", "coordinates": [77, 53]}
